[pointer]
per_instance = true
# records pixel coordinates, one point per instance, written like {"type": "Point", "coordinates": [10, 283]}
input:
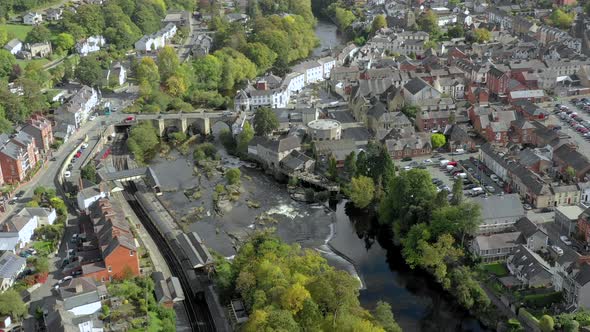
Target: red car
{"type": "Point", "coordinates": [129, 119]}
{"type": "Point", "coordinates": [78, 154]}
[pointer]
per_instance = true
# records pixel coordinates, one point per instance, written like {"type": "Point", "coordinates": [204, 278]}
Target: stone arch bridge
{"type": "Point", "coordinates": [201, 122]}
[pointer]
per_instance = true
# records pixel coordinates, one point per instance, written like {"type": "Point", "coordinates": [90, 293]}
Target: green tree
{"type": "Point", "coordinates": [561, 19]}
{"type": "Point", "coordinates": [344, 18]}
{"type": "Point", "coordinates": [546, 323]}
{"type": "Point", "coordinates": [236, 68]}
{"type": "Point", "coordinates": [7, 61]}
{"type": "Point", "coordinates": [438, 140]}
{"type": "Point", "coordinates": [64, 42]}
{"type": "Point", "coordinates": [410, 111]}
{"type": "Point", "coordinates": [350, 164]}
{"type": "Point", "coordinates": [89, 173]}
{"type": "Point", "coordinates": [38, 34]}
{"type": "Point", "coordinates": [428, 21]}
{"type": "Point", "coordinates": [362, 164]}
{"type": "Point", "coordinates": [208, 70]}
{"type": "Point", "coordinates": [176, 86]}
{"type": "Point", "coordinates": [384, 317]}
{"type": "Point", "coordinates": [89, 71]}
{"type": "Point", "coordinates": [570, 173]}
{"type": "Point", "coordinates": [3, 37]}
{"type": "Point", "coordinates": [456, 31]}
{"type": "Point", "coordinates": [482, 35]}
{"type": "Point", "coordinates": [147, 73]}
{"type": "Point", "coordinates": [457, 192]}
{"type": "Point", "coordinates": [244, 138]}
{"type": "Point", "coordinates": [265, 121]}
{"type": "Point", "coordinates": [146, 18]}
{"type": "Point", "coordinates": [168, 63]}
{"type": "Point", "coordinates": [142, 142]}
{"type": "Point", "coordinates": [361, 191]}
{"type": "Point", "coordinates": [332, 168]}
{"type": "Point", "coordinates": [12, 305]}
{"type": "Point", "coordinates": [261, 55]}
{"type": "Point", "coordinates": [379, 22]}
{"type": "Point", "coordinates": [233, 175]}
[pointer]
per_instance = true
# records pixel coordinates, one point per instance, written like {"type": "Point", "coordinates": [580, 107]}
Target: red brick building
{"type": "Point", "coordinates": [18, 156]}
{"type": "Point", "coordinates": [109, 251]}
{"type": "Point", "coordinates": [497, 81]}
{"type": "Point", "coordinates": [428, 120]}
{"type": "Point", "coordinates": [477, 95]}
{"type": "Point", "coordinates": [584, 225]}
{"type": "Point", "coordinates": [40, 128]}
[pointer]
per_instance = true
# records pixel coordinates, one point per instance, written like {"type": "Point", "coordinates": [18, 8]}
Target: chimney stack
{"type": "Point", "coordinates": [79, 288]}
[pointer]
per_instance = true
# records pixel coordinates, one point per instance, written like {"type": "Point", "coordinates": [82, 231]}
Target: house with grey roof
{"type": "Point", "coordinates": [24, 226]}
{"type": "Point", "coordinates": [273, 151]}
{"type": "Point", "coordinates": [14, 46]}
{"type": "Point", "coordinates": [45, 216]}
{"type": "Point", "coordinates": [499, 213]}
{"type": "Point", "coordinates": [87, 196]}
{"type": "Point", "coordinates": [532, 236]}
{"type": "Point", "coordinates": [529, 268]}
{"type": "Point", "coordinates": [77, 109]}
{"type": "Point", "coordinates": [418, 92]}
{"type": "Point", "coordinates": [11, 266]}
{"type": "Point", "coordinates": [296, 161]}
{"type": "Point", "coordinates": [82, 296]}
{"type": "Point", "coordinates": [495, 247]}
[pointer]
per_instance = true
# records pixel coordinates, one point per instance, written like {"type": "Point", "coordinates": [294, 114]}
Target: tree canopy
{"type": "Point", "coordinates": [142, 142]}
{"type": "Point", "coordinates": [265, 121]}
{"type": "Point", "coordinates": [361, 191]}
{"type": "Point", "coordinates": [290, 289]}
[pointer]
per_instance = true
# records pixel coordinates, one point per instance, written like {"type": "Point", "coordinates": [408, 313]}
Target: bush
{"type": "Point", "coordinates": [233, 176]}
{"type": "Point", "coordinates": [542, 300]}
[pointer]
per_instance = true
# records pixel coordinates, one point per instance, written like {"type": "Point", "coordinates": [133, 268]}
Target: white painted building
{"type": "Point", "coordinates": [327, 64]}
{"type": "Point", "coordinates": [11, 266]}
{"type": "Point", "coordinates": [156, 40]}
{"type": "Point", "coordinates": [76, 111]}
{"type": "Point", "coordinates": [23, 226]}
{"type": "Point", "coordinates": [32, 18]}
{"type": "Point", "coordinates": [90, 45]}
{"type": "Point", "coordinates": [313, 71]}
{"type": "Point", "coordinates": [87, 196]}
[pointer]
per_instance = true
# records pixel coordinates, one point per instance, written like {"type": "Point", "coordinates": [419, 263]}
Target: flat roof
{"type": "Point", "coordinates": [324, 124]}
{"type": "Point", "coordinates": [572, 212]}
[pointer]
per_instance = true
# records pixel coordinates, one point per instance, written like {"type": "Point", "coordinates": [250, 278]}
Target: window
{"type": "Point", "coordinates": [110, 268]}
{"type": "Point", "coordinates": [131, 253]}
{"type": "Point", "coordinates": [102, 279]}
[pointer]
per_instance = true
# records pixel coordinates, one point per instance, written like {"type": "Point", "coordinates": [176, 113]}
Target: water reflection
{"type": "Point", "coordinates": [418, 303]}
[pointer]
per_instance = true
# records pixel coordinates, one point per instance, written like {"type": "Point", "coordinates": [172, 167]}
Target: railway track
{"type": "Point", "coordinates": [196, 307]}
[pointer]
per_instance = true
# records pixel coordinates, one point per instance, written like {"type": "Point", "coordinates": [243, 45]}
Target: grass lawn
{"type": "Point", "coordinates": [44, 248]}
{"type": "Point", "coordinates": [499, 269]}
{"type": "Point", "coordinates": [24, 63]}
{"type": "Point", "coordinates": [17, 30]}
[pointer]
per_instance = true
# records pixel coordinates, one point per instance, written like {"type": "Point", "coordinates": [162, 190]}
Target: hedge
{"type": "Point", "coordinates": [542, 300]}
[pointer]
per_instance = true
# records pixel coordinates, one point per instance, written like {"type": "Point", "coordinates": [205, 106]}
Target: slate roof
{"type": "Point", "coordinates": [282, 144]}
{"type": "Point", "coordinates": [531, 266]}
{"type": "Point", "coordinates": [11, 265]}
{"type": "Point", "coordinates": [498, 207]}
{"type": "Point", "coordinates": [583, 275]}
{"type": "Point", "coordinates": [527, 227]}
{"type": "Point", "coordinates": [498, 241]}
{"type": "Point", "coordinates": [12, 44]}
{"type": "Point", "coordinates": [572, 157]}
{"type": "Point", "coordinates": [415, 85]}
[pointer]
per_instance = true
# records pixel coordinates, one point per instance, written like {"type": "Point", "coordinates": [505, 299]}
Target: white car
{"type": "Point", "coordinates": [65, 279]}
{"type": "Point", "coordinates": [565, 240]}
{"type": "Point", "coordinates": [67, 174]}
{"type": "Point", "coordinates": [407, 168]}
{"type": "Point", "coordinates": [427, 161]}
{"type": "Point", "coordinates": [557, 250]}
{"type": "Point", "coordinates": [92, 118]}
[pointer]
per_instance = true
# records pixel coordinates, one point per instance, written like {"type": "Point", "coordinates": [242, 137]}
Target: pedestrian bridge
{"type": "Point", "coordinates": [146, 173]}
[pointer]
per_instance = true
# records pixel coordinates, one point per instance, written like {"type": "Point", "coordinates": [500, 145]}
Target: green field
{"type": "Point", "coordinates": [17, 30]}
{"type": "Point", "coordinates": [24, 63]}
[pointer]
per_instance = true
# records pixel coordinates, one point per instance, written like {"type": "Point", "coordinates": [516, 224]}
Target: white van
{"type": "Point", "coordinates": [443, 163]}
{"type": "Point", "coordinates": [476, 190]}
{"type": "Point", "coordinates": [461, 176]}
{"type": "Point", "coordinates": [459, 151]}
{"type": "Point", "coordinates": [450, 168]}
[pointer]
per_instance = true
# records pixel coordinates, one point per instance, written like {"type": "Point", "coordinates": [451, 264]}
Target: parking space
{"type": "Point", "coordinates": [482, 174]}
{"type": "Point", "coordinates": [573, 116]}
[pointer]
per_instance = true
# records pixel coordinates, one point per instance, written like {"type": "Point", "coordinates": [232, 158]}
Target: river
{"type": "Point", "coordinates": [328, 35]}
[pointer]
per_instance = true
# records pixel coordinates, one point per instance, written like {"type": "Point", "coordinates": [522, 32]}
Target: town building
{"type": "Point", "coordinates": [529, 268]}
{"type": "Point", "coordinates": [14, 46]}
{"type": "Point", "coordinates": [78, 108]}
{"type": "Point", "coordinates": [499, 213]}
{"type": "Point", "coordinates": [23, 227]}
{"type": "Point", "coordinates": [90, 45]}
{"type": "Point", "coordinates": [566, 218]}
{"type": "Point", "coordinates": [157, 40]}
{"type": "Point", "coordinates": [11, 267]}
{"type": "Point", "coordinates": [32, 18]}
{"type": "Point", "coordinates": [109, 250]}
{"type": "Point", "coordinates": [40, 128]}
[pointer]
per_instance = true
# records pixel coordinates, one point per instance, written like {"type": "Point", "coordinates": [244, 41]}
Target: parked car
{"type": "Point", "coordinates": [407, 159]}
{"type": "Point", "coordinates": [494, 177]}
{"type": "Point", "coordinates": [565, 240]}
{"type": "Point", "coordinates": [67, 174]}
{"type": "Point", "coordinates": [490, 189]}
{"type": "Point", "coordinates": [66, 278]}
{"type": "Point", "coordinates": [557, 250]}
{"type": "Point", "coordinates": [527, 206]}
